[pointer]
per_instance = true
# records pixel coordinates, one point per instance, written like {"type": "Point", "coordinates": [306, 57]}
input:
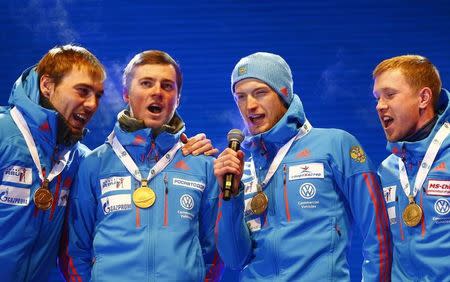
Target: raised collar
{"type": "Point", "coordinates": [269, 142]}
{"type": "Point", "coordinates": [416, 150]}
{"type": "Point", "coordinates": [163, 140]}
{"type": "Point", "coordinates": [43, 122]}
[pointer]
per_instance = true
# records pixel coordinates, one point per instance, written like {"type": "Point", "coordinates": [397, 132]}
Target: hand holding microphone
{"type": "Point", "coordinates": [229, 166]}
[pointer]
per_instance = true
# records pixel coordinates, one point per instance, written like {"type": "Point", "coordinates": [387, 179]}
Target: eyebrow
{"type": "Point", "coordinates": [153, 79]}
{"type": "Point", "coordinates": [89, 87]}
{"type": "Point", "coordinates": [254, 90]}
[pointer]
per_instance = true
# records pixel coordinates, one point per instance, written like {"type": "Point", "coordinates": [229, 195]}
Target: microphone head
{"type": "Point", "coordinates": [235, 135]}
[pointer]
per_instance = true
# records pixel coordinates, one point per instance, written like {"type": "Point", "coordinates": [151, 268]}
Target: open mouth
{"type": "Point", "coordinates": [81, 118]}
{"type": "Point", "coordinates": [387, 121]}
{"type": "Point", "coordinates": [155, 108]}
{"type": "Point", "coordinates": [257, 118]}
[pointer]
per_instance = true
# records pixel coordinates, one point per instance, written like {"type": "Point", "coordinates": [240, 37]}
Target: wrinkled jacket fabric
{"type": "Point", "coordinates": [111, 239]}
{"type": "Point", "coordinates": [420, 252]}
{"type": "Point", "coordinates": [323, 185]}
{"type": "Point", "coordinates": [29, 236]}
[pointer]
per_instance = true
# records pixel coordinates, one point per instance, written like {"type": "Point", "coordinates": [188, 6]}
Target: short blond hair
{"type": "Point", "coordinates": [419, 72]}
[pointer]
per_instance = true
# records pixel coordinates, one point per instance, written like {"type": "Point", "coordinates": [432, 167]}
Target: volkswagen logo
{"type": "Point", "coordinates": [442, 206]}
{"type": "Point", "coordinates": [187, 202]}
{"type": "Point", "coordinates": [307, 190]}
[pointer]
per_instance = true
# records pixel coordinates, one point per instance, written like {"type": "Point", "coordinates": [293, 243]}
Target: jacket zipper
{"type": "Point", "coordinates": [166, 200]}
{"type": "Point", "coordinates": [286, 198]}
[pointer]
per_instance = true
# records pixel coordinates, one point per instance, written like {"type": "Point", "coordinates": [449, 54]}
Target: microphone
{"type": "Point", "coordinates": [234, 137]}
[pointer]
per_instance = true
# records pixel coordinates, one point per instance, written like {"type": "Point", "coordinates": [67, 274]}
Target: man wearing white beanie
{"type": "Point", "coordinates": [299, 190]}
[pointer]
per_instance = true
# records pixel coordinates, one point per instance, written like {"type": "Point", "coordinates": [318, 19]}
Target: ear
{"type": "Point", "coordinates": [125, 96]}
{"type": "Point", "coordinates": [425, 98]}
{"type": "Point", "coordinates": [46, 85]}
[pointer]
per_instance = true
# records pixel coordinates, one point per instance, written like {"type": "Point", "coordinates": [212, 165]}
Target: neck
{"type": "Point", "coordinates": [131, 124]}
{"type": "Point", "coordinates": [64, 134]}
{"type": "Point", "coordinates": [423, 131]}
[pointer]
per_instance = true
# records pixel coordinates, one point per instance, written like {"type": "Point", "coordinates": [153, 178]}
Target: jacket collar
{"type": "Point", "coordinates": [43, 122]}
{"type": "Point", "coordinates": [416, 150]}
{"type": "Point", "coordinates": [268, 143]}
{"type": "Point", "coordinates": [163, 139]}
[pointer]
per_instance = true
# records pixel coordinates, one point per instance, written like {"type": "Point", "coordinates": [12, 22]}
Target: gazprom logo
{"type": "Point", "coordinates": [442, 206]}
{"type": "Point", "coordinates": [121, 202]}
{"type": "Point", "coordinates": [307, 190]}
{"type": "Point", "coordinates": [14, 196]}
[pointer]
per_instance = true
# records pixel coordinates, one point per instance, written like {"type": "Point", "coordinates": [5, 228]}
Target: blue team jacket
{"type": "Point", "coordinates": [110, 239]}
{"type": "Point", "coordinates": [30, 237]}
{"type": "Point", "coordinates": [323, 185]}
{"type": "Point", "coordinates": [420, 253]}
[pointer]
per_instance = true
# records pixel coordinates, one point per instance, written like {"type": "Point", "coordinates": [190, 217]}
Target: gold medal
{"type": "Point", "coordinates": [144, 196]}
{"type": "Point", "coordinates": [43, 198]}
{"type": "Point", "coordinates": [412, 214]}
{"type": "Point", "coordinates": [259, 203]}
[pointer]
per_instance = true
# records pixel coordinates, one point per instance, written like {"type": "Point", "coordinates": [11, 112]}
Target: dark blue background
{"type": "Point", "coordinates": [331, 46]}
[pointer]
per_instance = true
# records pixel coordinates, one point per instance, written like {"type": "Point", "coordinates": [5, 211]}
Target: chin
{"type": "Point", "coordinates": [392, 138]}
{"type": "Point", "coordinates": [153, 125]}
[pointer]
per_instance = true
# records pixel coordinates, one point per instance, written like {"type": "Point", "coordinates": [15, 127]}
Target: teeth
{"type": "Point", "coordinates": [386, 118]}
{"type": "Point", "coordinates": [81, 117]}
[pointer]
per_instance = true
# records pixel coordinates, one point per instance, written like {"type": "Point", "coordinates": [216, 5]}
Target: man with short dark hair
{"type": "Point", "coordinates": [141, 210]}
{"type": "Point", "coordinates": [414, 113]}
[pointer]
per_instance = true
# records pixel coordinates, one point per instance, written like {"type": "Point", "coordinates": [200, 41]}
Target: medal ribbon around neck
{"type": "Point", "coordinates": [21, 123]}
{"type": "Point", "coordinates": [425, 167]}
{"type": "Point", "coordinates": [260, 201]}
{"type": "Point", "coordinates": [143, 196]}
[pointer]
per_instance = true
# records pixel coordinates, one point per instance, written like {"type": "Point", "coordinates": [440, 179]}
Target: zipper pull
{"type": "Point", "coordinates": [166, 183]}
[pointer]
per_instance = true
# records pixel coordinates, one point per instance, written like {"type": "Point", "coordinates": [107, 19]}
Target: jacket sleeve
{"type": "Point", "coordinates": [208, 216]}
{"type": "Point", "coordinates": [82, 215]}
{"type": "Point", "coordinates": [360, 185]}
{"type": "Point", "coordinates": [234, 241]}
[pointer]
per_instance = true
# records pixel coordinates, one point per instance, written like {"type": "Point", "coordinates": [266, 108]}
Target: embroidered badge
{"type": "Point", "coordinates": [357, 153]}
{"type": "Point", "coordinates": [242, 70]}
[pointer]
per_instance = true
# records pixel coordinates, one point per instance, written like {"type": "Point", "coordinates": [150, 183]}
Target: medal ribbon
{"type": "Point", "coordinates": [25, 130]}
{"type": "Point", "coordinates": [131, 166]}
{"type": "Point", "coordinates": [305, 129]}
{"type": "Point", "coordinates": [425, 167]}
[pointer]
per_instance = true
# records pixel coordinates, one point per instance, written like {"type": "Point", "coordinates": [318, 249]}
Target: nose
{"type": "Point", "coordinates": [156, 90]}
{"type": "Point", "coordinates": [91, 102]}
{"type": "Point", "coordinates": [381, 105]}
{"type": "Point", "coordinates": [252, 103]}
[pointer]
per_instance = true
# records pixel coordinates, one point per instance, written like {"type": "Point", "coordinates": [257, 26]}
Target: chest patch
{"type": "Point", "coordinates": [14, 196]}
{"type": "Point", "coordinates": [116, 203]}
{"type": "Point", "coordinates": [189, 184]}
{"type": "Point", "coordinates": [18, 174]}
{"type": "Point", "coordinates": [311, 170]}
{"type": "Point", "coordinates": [438, 187]}
{"type": "Point", "coordinates": [115, 183]}
{"type": "Point", "coordinates": [389, 193]}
